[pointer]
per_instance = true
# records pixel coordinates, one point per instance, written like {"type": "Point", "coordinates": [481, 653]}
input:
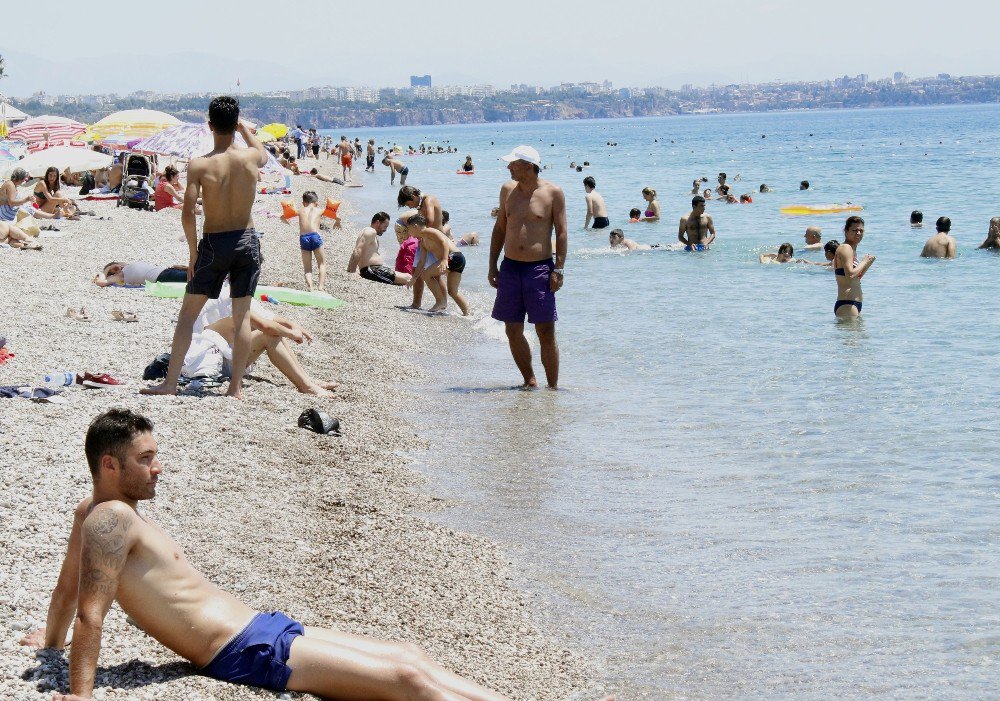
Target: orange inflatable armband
{"type": "Point", "coordinates": [332, 206]}
{"type": "Point", "coordinates": [288, 210]}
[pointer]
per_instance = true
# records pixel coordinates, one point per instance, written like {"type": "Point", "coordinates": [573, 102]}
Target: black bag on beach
{"type": "Point", "coordinates": [319, 422]}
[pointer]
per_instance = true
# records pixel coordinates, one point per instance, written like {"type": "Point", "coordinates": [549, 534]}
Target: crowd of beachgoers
{"type": "Point", "coordinates": [100, 243]}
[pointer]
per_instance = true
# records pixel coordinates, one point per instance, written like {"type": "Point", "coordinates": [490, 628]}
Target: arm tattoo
{"type": "Point", "coordinates": [105, 550]}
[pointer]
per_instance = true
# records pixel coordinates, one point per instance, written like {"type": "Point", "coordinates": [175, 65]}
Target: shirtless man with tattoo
{"type": "Point", "coordinates": [696, 230]}
{"type": "Point", "coordinates": [117, 554]}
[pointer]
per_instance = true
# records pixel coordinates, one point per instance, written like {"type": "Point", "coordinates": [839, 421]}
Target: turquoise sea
{"type": "Point", "coordinates": [735, 495]}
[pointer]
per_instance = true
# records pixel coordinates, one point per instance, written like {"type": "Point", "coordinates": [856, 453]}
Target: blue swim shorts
{"type": "Point", "coordinates": [696, 247]}
{"type": "Point", "coordinates": [258, 654]}
{"type": "Point", "coordinates": [310, 242]}
{"type": "Point", "coordinates": [523, 288]}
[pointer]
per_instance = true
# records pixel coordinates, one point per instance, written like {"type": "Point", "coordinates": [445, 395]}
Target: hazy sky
{"type": "Point", "coordinates": [194, 45]}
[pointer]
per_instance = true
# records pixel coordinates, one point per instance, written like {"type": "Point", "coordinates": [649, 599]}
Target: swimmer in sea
{"type": "Point", "coordinates": [652, 212]}
{"type": "Point", "coordinates": [596, 209]}
{"type": "Point", "coordinates": [942, 244]}
{"type": "Point", "coordinates": [764, 188]}
{"type": "Point", "coordinates": [696, 230]}
{"type": "Point", "coordinates": [468, 167]}
{"type": "Point", "coordinates": [634, 215]}
{"type": "Point", "coordinates": [813, 238]}
{"type": "Point", "coordinates": [992, 242]}
{"type": "Point", "coordinates": [916, 219]}
{"type": "Point", "coordinates": [784, 255]}
{"type": "Point", "coordinates": [619, 242]}
{"type": "Point", "coordinates": [848, 271]}
{"type": "Point", "coordinates": [707, 194]}
{"type": "Point", "coordinates": [804, 185]}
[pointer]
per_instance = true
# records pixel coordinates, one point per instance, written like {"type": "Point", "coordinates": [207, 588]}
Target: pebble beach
{"type": "Point", "coordinates": [331, 530]}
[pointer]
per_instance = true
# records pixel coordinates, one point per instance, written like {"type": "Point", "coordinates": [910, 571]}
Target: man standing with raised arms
{"type": "Point", "coordinates": [527, 280]}
{"type": "Point", "coordinates": [116, 554]}
{"type": "Point", "coordinates": [226, 182]}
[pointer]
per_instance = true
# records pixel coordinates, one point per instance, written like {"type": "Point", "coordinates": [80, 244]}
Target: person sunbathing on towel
{"type": "Point", "coordinates": [117, 554]}
{"type": "Point", "coordinates": [12, 235]}
{"type": "Point", "coordinates": [139, 273]}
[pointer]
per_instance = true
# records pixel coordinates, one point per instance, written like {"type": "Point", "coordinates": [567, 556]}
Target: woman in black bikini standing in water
{"type": "Point", "coordinates": [848, 270]}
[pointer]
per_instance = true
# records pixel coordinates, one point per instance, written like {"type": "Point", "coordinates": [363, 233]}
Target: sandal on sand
{"type": "Point", "coordinates": [77, 314]}
{"type": "Point", "coordinates": [48, 227]}
{"type": "Point", "coordinates": [118, 315]}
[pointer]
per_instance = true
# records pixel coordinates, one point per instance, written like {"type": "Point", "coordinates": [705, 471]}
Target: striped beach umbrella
{"type": "Point", "coordinates": [135, 124]}
{"type": "Point", "coordinates": [43, 145]}
{"type": "Point", "coordinates": [46, 127]}
{"type": "Point", "coordinates": [187, 141]}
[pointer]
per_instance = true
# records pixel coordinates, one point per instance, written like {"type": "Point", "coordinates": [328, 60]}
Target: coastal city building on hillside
{"type": "Point", "coordinates": [425, 103]}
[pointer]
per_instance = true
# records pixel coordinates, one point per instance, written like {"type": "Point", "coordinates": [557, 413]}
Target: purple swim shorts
{"type": "Point", "coordinates": [523, 288]}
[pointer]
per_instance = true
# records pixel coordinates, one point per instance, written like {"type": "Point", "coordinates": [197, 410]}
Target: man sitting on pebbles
{"type": "Point", "coordinates": [115, 554]}
{"type": "Point", "coordinates": [368, 257]}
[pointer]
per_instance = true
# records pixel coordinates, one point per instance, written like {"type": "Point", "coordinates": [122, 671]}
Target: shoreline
{"type": "Point", "coordinates": [323, 528]}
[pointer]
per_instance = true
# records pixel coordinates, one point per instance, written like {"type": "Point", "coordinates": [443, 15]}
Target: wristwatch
{"type": "Point", "coordinates": [560, 271]}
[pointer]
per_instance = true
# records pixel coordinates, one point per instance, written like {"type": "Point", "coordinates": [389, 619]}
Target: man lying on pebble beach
{"type": "Point", "coordinates": [116, 554]}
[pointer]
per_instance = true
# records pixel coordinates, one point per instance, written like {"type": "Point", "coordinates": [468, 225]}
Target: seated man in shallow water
{"type": "Point", "coordinates": [117, 554]}
{"type": "Point", "coordinates": [814, 238]}
{"type": "Point", "coordinates": [619, 242]}
{"type": "Point", "coordinates": [942, 244]}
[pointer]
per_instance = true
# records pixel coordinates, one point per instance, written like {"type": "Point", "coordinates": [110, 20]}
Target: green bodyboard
{"type": "Point", "coordinates": [301, 298]}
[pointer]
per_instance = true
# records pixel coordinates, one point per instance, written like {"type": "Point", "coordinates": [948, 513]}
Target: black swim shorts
{"type": "Point", "coordinates": [456, 262]}
{"type": "Point", "coordinates": [232, 253]}
{"type": "Point", "coordinates": [601, 223]}
{"type": "Point", "coordinates": [379, 273]}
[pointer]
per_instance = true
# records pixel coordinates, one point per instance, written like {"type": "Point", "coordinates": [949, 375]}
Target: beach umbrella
{"type": "Point", "coordinates": [187, 141]}
{"type": "Point", "coordinates": [11, 113]}
{"type": "Point", "coordinates": [57, 128]}
{"type": "Point", "coordinates": [43, 145]}
{"type": "Point", "coordinates": [265, 136]}
{"type": "Point", "coordinates": [276, 128]}
{"type": "Point", "coordinates": [131, 123]}
{"type": "Point", "coordinates": [62, 157]}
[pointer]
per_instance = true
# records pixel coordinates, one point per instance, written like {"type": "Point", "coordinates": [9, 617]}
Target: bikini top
{"type": "Point", "coordinates": [840, 271]}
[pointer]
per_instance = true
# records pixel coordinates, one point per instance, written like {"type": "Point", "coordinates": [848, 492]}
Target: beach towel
{"type": "Point", "coordinates": [205, 355]}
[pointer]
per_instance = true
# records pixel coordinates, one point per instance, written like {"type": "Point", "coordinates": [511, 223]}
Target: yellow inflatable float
{"type": "Point", "coordinates": [805, 209]}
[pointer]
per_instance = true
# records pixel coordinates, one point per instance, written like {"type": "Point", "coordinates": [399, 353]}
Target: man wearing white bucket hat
{"type": "Point", "coordinates": [528, 278]}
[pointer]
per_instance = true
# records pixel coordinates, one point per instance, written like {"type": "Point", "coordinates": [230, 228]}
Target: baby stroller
{"type": "Point", "coordinates": [137, 181]}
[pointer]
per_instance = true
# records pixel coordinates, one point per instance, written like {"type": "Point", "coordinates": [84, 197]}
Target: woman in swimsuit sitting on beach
{"type": "Point", "coordinates": [9, 201]}
{"type": "Point", "coordinates": [848, 271]}
{"type": "Point", "coordinates": [652, 212]}
{"type": "Point", "coordinates": [49, 200]}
